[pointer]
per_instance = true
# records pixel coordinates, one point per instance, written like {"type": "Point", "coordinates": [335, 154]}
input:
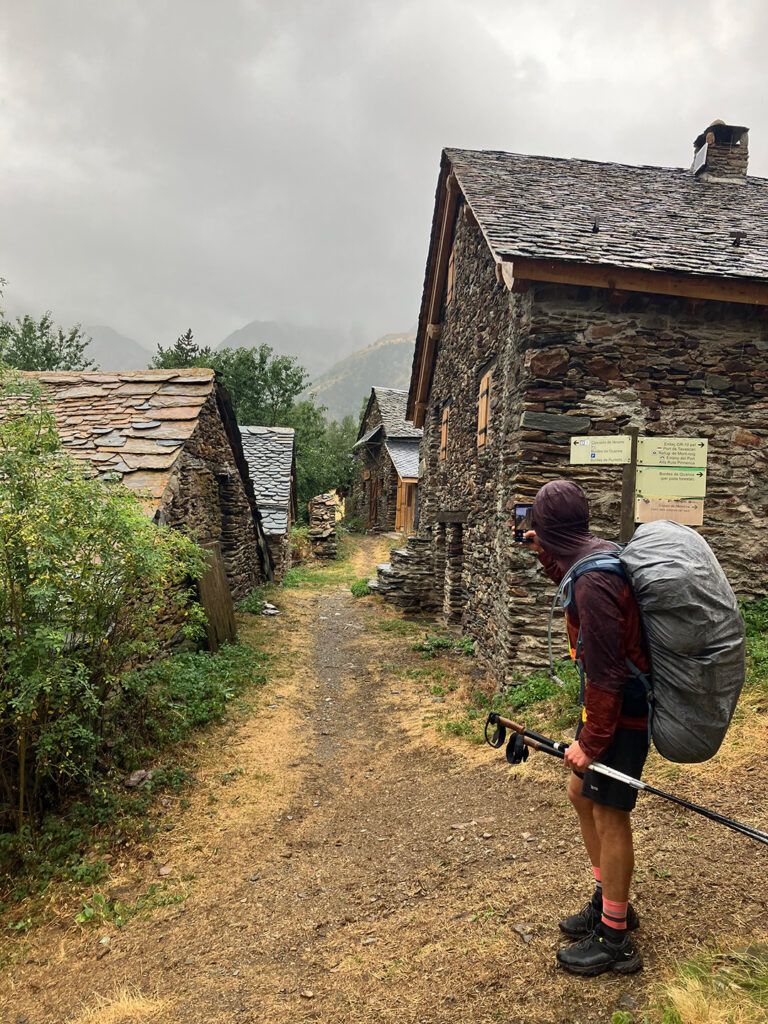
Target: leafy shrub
{"type": "Point", "coordinates": [755, 617]}
{"type": "Point", "coordinates": [434, 642]}
{"type": "Point", "coordinates": [164, 702]}
{"type": "Point", "coordinates": [85, 580]}
{"type": "Point", "coordinates": [299, 544]}
{"type": "Point", "coordinates": [360, 587]}
{"type": "Point", "coordinates": [253, 603]}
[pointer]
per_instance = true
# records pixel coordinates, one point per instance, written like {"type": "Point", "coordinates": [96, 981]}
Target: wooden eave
{"type": "Point", "coordinates": [428, 334]}
{"type": "Point", "coordinates": [517, 272]}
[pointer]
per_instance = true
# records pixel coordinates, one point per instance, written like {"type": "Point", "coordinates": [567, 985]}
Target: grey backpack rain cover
{"type": "Point", "coordinates": [695, 636]}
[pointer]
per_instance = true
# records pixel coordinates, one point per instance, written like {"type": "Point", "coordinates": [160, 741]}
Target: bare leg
{"type": "Point", "coordinates": [585, 810]}
{"type": "Point", "coordinates": [617, 855]}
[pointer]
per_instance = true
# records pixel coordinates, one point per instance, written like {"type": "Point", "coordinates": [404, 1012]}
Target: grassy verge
{"type": "Point", "coordinates": [539, 703]}
{"type": "Point", "coordinates": [717, 986]}
{"type": "Point", "coordinates": [158, 707]}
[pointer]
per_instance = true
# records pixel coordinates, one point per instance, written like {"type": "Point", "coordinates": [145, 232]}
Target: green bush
{"type": "Point", "coordinates": [85, 578]}
{"type": "Point", "coordinates": [434, 642]}
{"type": "Point", "coordinates": [164, 702]}
{"type": "Point", "coordinates": [755, 617]}
{"type": "Point", "coordinates": [360, 587]}
{"type": "Point", "coordinates": [253, 603]}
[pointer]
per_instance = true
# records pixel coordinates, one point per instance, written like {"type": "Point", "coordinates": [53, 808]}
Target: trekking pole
{"type": "Point", "coordinates": [522, 739]}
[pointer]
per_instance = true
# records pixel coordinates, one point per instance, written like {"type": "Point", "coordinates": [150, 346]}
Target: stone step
{"type": "Point", "coordinates": [384, 569]}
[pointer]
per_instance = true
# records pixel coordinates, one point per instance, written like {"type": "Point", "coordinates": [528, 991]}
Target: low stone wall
{"type": "Point", "coordinates": [280, 548]}
{"type": "Point", "coordinates": [322, 526]}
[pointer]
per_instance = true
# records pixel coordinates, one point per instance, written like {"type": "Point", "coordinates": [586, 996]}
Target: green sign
{"type": "Point", "coordinates": [671, 482]}
{"type": "Point", "coordinates": [672, 451]}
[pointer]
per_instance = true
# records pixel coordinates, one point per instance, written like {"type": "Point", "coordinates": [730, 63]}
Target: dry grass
{"type": "Point", "coordinates": [720, 987]}
{"type": "Point", "coordinates": [126, 1006]}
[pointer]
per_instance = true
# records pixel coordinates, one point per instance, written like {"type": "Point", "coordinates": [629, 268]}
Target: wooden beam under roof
{"type": "Point", "coordinates": [514, 271]}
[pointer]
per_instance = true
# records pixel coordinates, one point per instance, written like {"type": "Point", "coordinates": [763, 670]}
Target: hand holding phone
{"type": "Point", "coordinates": [522, 523]}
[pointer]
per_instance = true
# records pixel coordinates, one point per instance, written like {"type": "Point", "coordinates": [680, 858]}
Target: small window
{"type": "Point", "coordinates": [444, 432]}
{"type": "Point", "coordinates": [483, 405]}
{"type": "Point", "coordinates": [449, 283]}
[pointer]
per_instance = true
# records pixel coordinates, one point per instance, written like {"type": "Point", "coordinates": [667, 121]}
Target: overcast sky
{"type": "Point", "coordinates": [182, 163]}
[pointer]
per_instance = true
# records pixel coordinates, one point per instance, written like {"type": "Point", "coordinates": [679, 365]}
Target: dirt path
{"type": "Point", "coordinates": [339, 862]}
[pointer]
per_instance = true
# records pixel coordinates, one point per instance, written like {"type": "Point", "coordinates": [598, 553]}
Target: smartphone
{"type": "Point", "coordinates": [522, 522]}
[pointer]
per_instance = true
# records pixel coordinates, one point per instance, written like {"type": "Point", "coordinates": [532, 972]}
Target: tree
{"type": "Point", "coordinates": [28, 344]}
{"type": "Point", "coordinates": [263, 386]}
{"type": "Point", "coordinates": [185, 353]}
{"type": "Point", "coordinates": [85, 578]}
{"type": "Point", "coordinates": [265, 390]}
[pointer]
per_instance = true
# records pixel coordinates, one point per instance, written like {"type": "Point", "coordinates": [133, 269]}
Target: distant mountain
{"type": "Point", "coordinates": [113, 351]}
{"type": "Point", "coordinates": [316, 348]}
{"type": "Point", "coordinates": [348, 383]}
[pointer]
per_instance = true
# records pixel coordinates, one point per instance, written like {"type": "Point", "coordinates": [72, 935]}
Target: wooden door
{"type": "Point", "coordinates": [373, 500]}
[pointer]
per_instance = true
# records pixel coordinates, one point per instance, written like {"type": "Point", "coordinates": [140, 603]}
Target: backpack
{"type": "Point", "coordinates": [694, 632]}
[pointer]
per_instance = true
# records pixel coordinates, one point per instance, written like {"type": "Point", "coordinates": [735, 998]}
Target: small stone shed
{"type": "Point", "coordinates": [171, 436]}
{"type": "Point", "coordinates": [271, 456]}
{"type": "Point", "coordinates": [567, 297]}
{"type": "Point", "coordinates": [384, 491]}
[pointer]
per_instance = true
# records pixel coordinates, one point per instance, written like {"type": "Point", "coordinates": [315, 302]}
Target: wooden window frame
{"type": "Point", "coordinates": [446, 415]}
{"type": "Point", "coordinates": [483, 408]}
{"type": "Point", "coordinates": [450, 276]}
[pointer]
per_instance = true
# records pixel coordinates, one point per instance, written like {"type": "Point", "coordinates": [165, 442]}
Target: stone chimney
{"type": "Point", "coordinates": [721, 153]}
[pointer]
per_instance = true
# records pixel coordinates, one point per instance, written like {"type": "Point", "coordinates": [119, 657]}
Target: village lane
{"type": "Point", "coordinates": [339, 861]}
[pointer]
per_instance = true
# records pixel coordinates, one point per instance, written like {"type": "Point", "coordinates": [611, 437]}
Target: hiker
{"type": "Point", "coordinates": [613, 727]}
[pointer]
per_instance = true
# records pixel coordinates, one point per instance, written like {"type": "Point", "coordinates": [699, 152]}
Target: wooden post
{"type": "Point", "coordinates": [628, 488]}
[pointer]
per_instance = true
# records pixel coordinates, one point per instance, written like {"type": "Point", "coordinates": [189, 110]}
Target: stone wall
{"type": "Point", "coordinates": [279, 545]}
{"type": "Point", "coordinates": [569, 360]}
{"type": "Point", "coordinates": [207, 499]}
{"type": "Point", "coordinates": [322, 526]}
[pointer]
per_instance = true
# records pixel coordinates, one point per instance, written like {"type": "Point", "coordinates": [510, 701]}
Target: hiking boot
{"type": "Point", "coordinates": [597, 954]}
{"type": "Point", "coordinates": [579, 925]}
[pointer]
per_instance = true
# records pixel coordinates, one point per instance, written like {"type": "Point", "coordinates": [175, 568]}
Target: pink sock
{"type": "Point", "coordinates": [615, 914]}
{"type": "Point", "coordinates": [596, 873]}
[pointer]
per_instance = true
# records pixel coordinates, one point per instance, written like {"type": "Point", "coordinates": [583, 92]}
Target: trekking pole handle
{"type": "Point", "coordinates": [544, 742]}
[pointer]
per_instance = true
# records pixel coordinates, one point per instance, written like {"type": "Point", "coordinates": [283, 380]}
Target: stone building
{"type": "Point", "coordinates": [567, 297]}
{"type": "Point", "coordinates": [171, 436]}
{"type": "Point", "coordinates": [384, 490]}
{"type": "Point", "coordinates": [271, 456]}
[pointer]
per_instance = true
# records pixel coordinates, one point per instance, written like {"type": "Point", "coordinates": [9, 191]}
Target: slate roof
{"type": "Point", "coordinates": [392, 405]}
{"type": "Point", "coordinates": [132, 424]}
{"type": "Point", "coordinates": [650, 218]}
{"type": "Point", "coordinates": [405, 455]}
{"type": "Point", "coordinates": [269, 452]}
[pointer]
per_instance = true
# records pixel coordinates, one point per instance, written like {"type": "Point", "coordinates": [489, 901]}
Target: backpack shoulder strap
{"type": "Point", "coordinates": [603, 561]}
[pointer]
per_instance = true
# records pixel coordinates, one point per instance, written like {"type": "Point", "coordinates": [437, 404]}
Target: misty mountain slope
{"type": "Point", "coordinates": [315, 348]}
{"type": "Point", "coordinates": [111, 350]}
{"type": "Point", "coordinates": [386, 363]}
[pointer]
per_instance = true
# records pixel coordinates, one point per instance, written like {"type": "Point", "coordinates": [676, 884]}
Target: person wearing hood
{"type": "Point", "coordinates": [605, 635]}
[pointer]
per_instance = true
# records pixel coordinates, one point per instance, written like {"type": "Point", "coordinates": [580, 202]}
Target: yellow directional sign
{"type": "Point", "coordinates": [671, 482]}
{"type": "Point", "coordinates": [605, 450]}
{"type": "Point", "coordinates": [672, 451]}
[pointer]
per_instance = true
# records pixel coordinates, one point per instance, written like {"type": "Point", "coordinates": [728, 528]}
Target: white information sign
{"type": "Point", "coordinates": [676, 510]}
{"type": "Point", "coordinates": [607, 450]}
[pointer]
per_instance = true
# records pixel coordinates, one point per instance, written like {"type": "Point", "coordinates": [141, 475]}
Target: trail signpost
{"type": "Point", "coordinates": [664, 477]}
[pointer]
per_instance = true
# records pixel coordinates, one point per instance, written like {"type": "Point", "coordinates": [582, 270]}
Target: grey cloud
{"type": "Point", "coordinates": [185, 164]}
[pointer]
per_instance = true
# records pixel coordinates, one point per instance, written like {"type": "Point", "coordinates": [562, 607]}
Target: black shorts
{"type": "Point", "coordinates": [626, 752]}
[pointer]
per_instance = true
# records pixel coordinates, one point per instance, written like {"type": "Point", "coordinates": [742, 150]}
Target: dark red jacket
{"type": "Point", "coordinates": [605, 610]}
